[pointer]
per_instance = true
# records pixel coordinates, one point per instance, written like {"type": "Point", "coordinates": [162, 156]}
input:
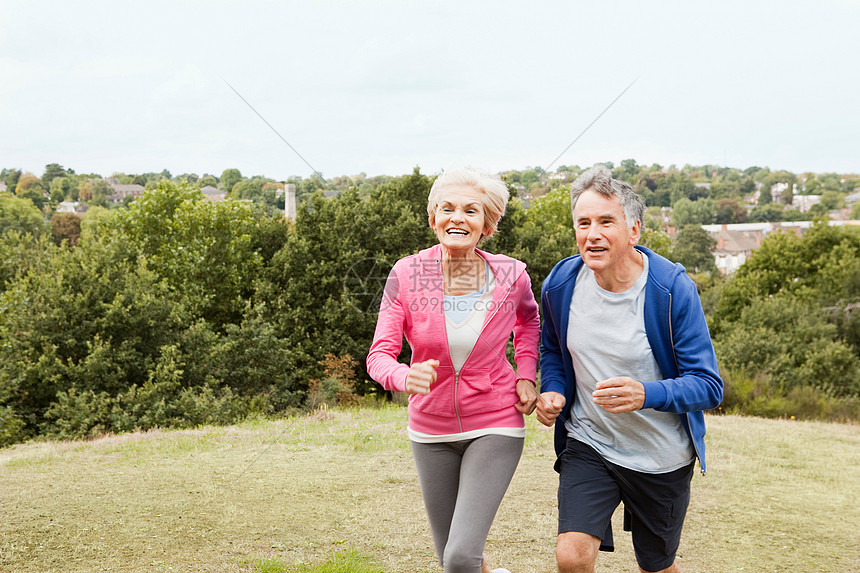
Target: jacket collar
{"type": "Point", "coordinates": [505, 269]}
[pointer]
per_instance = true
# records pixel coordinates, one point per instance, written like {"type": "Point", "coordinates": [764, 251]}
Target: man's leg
{"type": "Point", "coordinates": [657, 505]}
{"type": "Point", "coordinates": [587, 498]}
{"type": "Point", "coordinates": [576, 552]}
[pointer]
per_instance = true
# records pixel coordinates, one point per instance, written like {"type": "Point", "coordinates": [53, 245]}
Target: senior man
{"type": "Point", "coordinates": [627, 368]}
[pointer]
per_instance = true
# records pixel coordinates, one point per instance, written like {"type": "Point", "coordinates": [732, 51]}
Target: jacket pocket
{"type": "Point", "coordinates": [440, 400]}
{"type": "Point", "coordinates": [478, 392]}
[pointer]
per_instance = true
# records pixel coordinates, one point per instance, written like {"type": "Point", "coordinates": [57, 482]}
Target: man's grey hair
{"type": "Point", "coordinates": [599, 179]}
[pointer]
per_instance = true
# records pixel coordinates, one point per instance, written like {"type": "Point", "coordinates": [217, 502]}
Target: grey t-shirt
{"type": "Point", "coordinates": [606, 338]}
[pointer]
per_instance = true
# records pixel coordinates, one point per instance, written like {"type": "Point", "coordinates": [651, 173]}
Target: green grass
{"type": "Point", "coordinates": [336, 491]}
{"type": "Point", "coordinates": [348, 561]}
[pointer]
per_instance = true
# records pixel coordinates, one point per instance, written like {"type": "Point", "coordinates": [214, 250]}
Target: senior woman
{"type": "Point", "coordinates": [457, 307]}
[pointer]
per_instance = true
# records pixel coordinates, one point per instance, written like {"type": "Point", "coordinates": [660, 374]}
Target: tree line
{"type": "Point", "coordinates": [174, 311]}
{"type": "Point", "coordinates": [698, 195]}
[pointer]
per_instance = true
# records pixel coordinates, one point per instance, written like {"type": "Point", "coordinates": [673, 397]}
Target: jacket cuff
{"type": "Point", "coordinates": [549, 386]}
{"type": "Point", "coordinates": [655, 395]}
{"type": "Point", "coordinates": [398, 378]}
{"type": "Point", "coordinates": [528, 369]}
{"type": "Point", "coordinates": [532, 380]}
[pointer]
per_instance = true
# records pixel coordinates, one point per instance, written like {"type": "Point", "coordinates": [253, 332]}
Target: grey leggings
{"type": "Point", "coordinates": [463, 484]}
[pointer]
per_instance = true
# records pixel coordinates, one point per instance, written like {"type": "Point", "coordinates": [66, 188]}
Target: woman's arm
{"type": "Point", "coordinates": [526, 330]}
{"type": "Point", "coordinates": [382, 364]}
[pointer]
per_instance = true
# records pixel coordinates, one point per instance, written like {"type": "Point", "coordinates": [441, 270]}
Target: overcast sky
{"type": "Point", "coordinates": [382, 87]}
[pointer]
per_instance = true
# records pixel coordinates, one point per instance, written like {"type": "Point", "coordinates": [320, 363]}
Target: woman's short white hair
{"type": "Point", "coordinates": [494, 191]}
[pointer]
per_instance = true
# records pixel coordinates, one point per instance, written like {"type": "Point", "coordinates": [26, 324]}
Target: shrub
{"type": "Point", "coordinates": [338, 384]}
{"type": "Point", "coordinates": [79, 414]}
{"type": "Point", "coordinates": [754, 396]}
{"type": "Point", "coordinates": [11, 427]}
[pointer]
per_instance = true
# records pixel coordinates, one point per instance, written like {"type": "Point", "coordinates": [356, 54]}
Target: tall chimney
{"type": "Point", "coordinates": [290, 201]}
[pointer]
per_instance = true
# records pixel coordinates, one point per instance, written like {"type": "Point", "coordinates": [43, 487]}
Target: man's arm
{"type": "Point", "coordinates": [698, 385]}
{"type": "Point", "coordinates": [552, 379]}
{"type": "Point", "coordinates": [619, 394]}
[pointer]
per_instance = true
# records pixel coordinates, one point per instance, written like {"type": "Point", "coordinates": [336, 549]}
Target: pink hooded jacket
{"type": "Point", "coordinates": [483, 395]}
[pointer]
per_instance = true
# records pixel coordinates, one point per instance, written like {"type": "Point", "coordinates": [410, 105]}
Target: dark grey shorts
{"type": "Point", "coordinates": [590, 488]}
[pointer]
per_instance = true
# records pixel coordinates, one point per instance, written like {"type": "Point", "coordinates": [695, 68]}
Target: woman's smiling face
{"type": "Point", "coordinates": [459, 220]}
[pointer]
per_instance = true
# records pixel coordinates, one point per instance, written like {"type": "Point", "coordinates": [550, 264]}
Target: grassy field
{"type": "Point", "coordinates": [780, 495]}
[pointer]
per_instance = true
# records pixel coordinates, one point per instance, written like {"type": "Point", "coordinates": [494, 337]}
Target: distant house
{"type": "Point", "coordinates": [120, 192]}
{"type": "Point", "coordinates": [72, 207]}
{"type": "Point", "coordinates": [776, 191]}
{"type": "Point", "coordinates": [213, 194]}
{"type": "Point", "coordinates": [734, 248]}
{"type": "Point", "coordinates": [2, 186]}
{"type": "Point", "coordinates": [803, 202]}
{"type": "Point", "coordinates": [852, 198]}
{"type": "Point", "coordinates": [736, 242]}
{"type": "Point", "coordinates": [67, 206]}
{"type": "Point", "coordinates": [756, 196]}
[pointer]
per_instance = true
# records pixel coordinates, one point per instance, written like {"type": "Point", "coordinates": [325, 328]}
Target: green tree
{"type": "Point", "coordinates": [52, 170]}
{"type": "Point", "coordinates": [23, 252]}
{"type": "Point", "coordinates": [530, 177]}
{"type": "Point", "coordinates": [27, 182]}
{"type": "Point", "coordinates": [686, 212]}
{"type": "Point", "coordinates": [229, 178]}
{"type": "Point", "coordinates": [789, 180]}
{"type": "Point", "coordinates": [100, 192]}
{"type": "Point", "coordinates": [322, 288]}
{"type": "Point", "coordinates": [207, 180]}
{"type": "Point", "coordinates": [627, 171]}
{"type": "Point", "coordinates": [61, 187]}
{"type": "Point", "coordinates": [202, 249]}
{"type": "Point", "coordinates": [680, 186]}
{"type": "Point", "coordinates": [147, 322]}
{"type": "Point", "coordinates": [11, 177]}
{"type": "Point", "coordinates": [693, 248]}
{"type": "Point", "coordinates": [817, 210]}
{"type": "Point", "coordinates": [546, 235]}
{"type": "Point", "coordinates": [730, 211]}
{"type": "Point", "coordinates": [795, 265]}
{"type": "Point", "coordinates": [768, 212]}
{"type": "Point", "coordinates": [832, 200]}
{"type": "Point", "coordinates": [249, 189]}
{"type": "Point", "coordinates": [789, 321]}
{"type": "Point", "coordinates": [87, 320]}
{"type": "Point", "coordinates": [66, 227]}
{"type": "Point", "coordinates": [17, 214]}
{"type": "Point", "coordinates": [258, 190]}
{"type": "Point", "coordinates": [30, 187]}
{"type": "Point", "coordinates": [755, 171]}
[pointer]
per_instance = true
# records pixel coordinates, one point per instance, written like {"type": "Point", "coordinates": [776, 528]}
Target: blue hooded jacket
{"type": "Point", "coordinates": [677, 332]}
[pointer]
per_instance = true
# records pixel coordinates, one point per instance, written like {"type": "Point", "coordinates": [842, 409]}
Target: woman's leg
{"type": "Point", "coordinates": [438, 468]}
{"type": "Point", "coordinates": [486, 470]}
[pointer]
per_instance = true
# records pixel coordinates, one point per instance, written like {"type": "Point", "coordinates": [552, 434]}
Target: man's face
{"type": "Point", "coordinates": [602, 235]}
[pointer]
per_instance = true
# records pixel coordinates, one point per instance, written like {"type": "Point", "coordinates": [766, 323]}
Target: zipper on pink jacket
{"type": "Point", "coordinates": [448, 346]}
{"type": "Point", "coordinates": [456, 392]}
